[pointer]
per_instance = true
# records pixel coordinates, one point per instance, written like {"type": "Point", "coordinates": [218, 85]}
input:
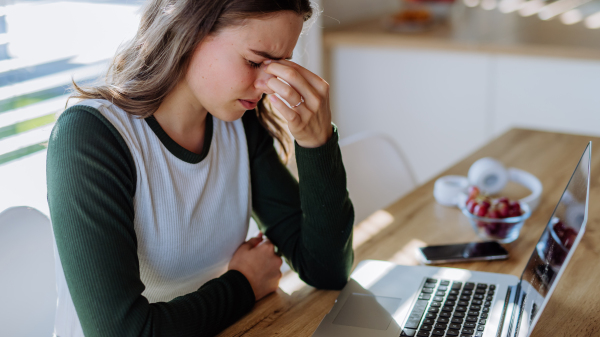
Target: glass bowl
{"type": "Point", "coordinates": [502, 230]}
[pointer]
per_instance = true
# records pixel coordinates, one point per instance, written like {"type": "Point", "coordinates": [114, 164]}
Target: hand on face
{"type": "Point", "coordinates": [256, 259]}
{"type": "Point", "coordinates": [309, 122]}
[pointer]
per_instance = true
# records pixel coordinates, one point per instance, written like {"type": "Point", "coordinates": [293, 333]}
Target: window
{"type": "Point", "coordinates": [43, 45]}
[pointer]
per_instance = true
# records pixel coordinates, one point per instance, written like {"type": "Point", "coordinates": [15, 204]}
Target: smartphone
{"type": "Point", "coordinates": [473, 251]}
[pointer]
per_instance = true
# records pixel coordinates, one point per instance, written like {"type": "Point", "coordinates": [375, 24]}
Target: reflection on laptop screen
{"type": "Point", "coordinates": [554, 249]}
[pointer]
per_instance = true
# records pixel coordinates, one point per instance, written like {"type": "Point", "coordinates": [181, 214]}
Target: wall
{"type": "Point", "coordinates": [309, 49]}
{"type": "Point", "coordinates": [441, 105]}
{"type": "Point", "coordinates": [336, 12]}
{"type": "Point", "coordinates": [546, 93]}
{"type": "Point", "coordinates": [432, 104]}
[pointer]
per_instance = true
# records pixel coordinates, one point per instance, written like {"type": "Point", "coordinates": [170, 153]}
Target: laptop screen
{"type": "Point", "coordinates": [553, 251]}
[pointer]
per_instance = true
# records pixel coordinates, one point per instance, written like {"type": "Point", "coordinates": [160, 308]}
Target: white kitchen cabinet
{"type": "Point", "coordinates": [546, 93]}
{"type": "Point", "coordinates": [440, 105]}
{"type": "Point", "coordinates": [432, 103]}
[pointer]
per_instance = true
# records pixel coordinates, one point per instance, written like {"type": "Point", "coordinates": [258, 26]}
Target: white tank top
{"type": "Point", "coordinates": [189, 218]}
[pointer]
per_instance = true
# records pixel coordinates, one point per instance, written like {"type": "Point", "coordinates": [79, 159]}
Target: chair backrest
{"type": "Point", "coordinates": [27, 283]}
{"type": "Point", "coordinates": [377, 172]}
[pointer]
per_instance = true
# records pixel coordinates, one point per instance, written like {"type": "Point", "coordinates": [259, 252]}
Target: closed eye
{"type": "Point", "coordinates": [254, 64]}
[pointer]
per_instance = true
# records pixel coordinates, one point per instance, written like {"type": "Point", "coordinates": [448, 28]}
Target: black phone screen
{"type": "Point", "coordinates": [468, 251]}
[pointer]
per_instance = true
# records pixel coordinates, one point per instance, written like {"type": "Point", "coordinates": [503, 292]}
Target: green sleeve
{"type": "Point", "coordinates": [310, 222]}
{"type": "Point", "coordinates": [91, 183]}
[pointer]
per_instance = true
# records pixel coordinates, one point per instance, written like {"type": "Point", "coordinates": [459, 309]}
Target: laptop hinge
{"type": "Point", "coordinates": [514, 302]}
{"type": "Point", "coordinates": [503, 317]}
{"type": "Point", "coordinates": [520, 317]}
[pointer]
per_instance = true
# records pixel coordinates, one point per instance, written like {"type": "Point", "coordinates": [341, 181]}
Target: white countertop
{"type": "Point", "coordinates": [478, 30]}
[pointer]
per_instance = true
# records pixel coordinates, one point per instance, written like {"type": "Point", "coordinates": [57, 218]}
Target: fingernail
{"type": "Point", "coordinates": [267, 62]}
{"type": "Point", "coordinates": [272, 98]}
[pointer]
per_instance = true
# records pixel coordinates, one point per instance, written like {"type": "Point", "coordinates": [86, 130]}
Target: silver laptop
{"type": "Point", "coordinates": [384, 299]}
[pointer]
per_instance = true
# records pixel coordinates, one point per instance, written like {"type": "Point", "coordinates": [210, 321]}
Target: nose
{"type": "Point", "coordinates": [261, 81]}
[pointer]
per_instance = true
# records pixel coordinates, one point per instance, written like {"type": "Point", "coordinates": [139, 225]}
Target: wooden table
{"type": "Point", "coordinates": [415, 220]}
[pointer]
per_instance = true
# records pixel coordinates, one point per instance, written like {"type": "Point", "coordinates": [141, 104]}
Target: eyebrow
{"type": "Point", "coordinates": [269, 56]}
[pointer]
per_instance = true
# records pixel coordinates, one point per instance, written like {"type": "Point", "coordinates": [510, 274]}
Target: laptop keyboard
{"type": "Point", "coordinates": [450, 308]}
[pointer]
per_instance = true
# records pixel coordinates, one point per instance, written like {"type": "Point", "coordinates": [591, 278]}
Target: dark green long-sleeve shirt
{"type": "Point", "coordinates": [91, 185]}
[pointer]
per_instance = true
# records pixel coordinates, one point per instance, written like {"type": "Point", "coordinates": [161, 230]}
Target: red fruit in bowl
{"type": "Point", "coordinates": [503, 229]}
{"type": "Point", "coordinates": [484, 206]}
{"type": "Point", "coordinates": [514, 209]}
{"type": "Point", "coordinates": [486, 203]}
{"type": "Point", "coordinates": [513, 213]}
{"type": "Point", "coordinates": [494, 214]}
{"type": "Point", "coordinates": [514, 205]}
{"type": "Point", "coordinates": [473, 192]}
{"type": "Point", "coordinates": [480, 210]}
{"type": "Point", "coordinates": [471, 206]}
{"type": "Point", "coordinates": [503, 209]}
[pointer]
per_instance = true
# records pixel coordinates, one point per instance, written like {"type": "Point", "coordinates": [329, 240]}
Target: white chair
{"type": "Point", "coordinates": [27, 283]}
{"type": "Point", "coordinates": [377, 172]}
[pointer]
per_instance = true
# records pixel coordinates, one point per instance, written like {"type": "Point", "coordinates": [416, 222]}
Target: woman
{"type": "Point", "coordinates": [152, 178]}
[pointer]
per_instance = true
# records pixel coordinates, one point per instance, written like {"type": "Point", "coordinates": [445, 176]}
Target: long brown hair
{"type": "Point", "coordinates": [147, 68]}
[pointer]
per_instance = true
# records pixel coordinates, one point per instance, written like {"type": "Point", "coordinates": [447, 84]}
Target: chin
{"type": "Point", "coordinates": [230, 115]}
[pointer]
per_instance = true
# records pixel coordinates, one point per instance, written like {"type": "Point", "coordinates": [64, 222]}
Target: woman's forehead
{"type": "Point", "coordinates": [274, 36]}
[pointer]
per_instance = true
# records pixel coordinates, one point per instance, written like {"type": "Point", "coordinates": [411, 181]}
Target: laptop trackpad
{"type": "Point", "coordinates": [368, 311]}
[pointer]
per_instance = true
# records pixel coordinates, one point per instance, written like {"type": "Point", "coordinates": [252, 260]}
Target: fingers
{"type": "Point", "coordinates": [285, 91]}
{"type": "Point", "coordinates": [290, 115]}
{"type": "Point", "coordinates": [298, 85]}
{"type": "Point", "coordinates": [255, 241]}
{"type": "Point", "coordinates": [314, 80]}
{"type": "Point", "coordinates": [269, 248]}
{"type": "Point", "coordinates": [293, 117]}
{"type": "Point", "coordinates": [260, 266]}
{"type": "Point", "coordinates": [267, 245]}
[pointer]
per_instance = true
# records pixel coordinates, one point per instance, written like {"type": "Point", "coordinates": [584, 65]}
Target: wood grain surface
{"type": "Point", "coordinates": [415, 220]}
